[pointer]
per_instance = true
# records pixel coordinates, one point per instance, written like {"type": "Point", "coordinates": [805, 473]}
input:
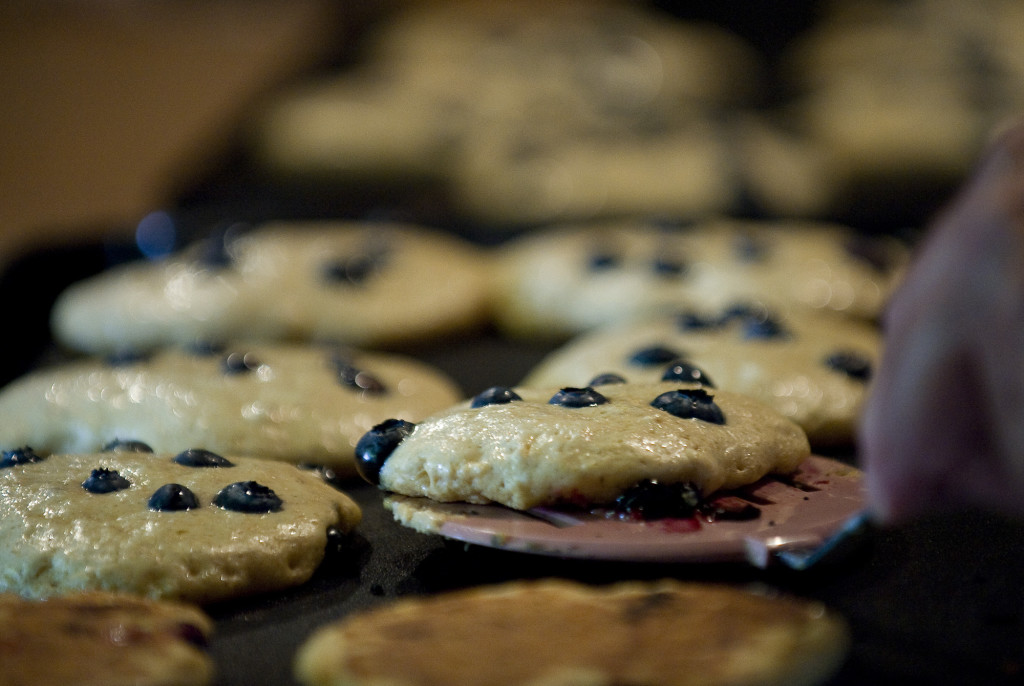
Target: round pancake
{"type": "Point", "coordinates": [812, 367]}
{"type": "Point", "coordinates": [557, 282]}
{"type": "Point", "coordinates": [289, 402]}
{"type": "Point", "coordinates": [145, 523]}
{"type": "Point", "coordinates": [357, 283]}
{"type": "Point", "coordinates": [562, 633]}
{"type": "Point", "coordinates": [103, 639]}
{"type": "Point", "coordinates": [525, 451]}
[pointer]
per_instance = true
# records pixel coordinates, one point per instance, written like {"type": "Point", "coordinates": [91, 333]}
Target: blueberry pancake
{"type": "Point", "coordinates": [917, 123]}
{"type": "Point", "coordinates": [812, 367]}
{"type": "Point", "coordinates": [196, 526]}
{"type": "Point", "coordinates": [436, 77]}
{"type": "Point", "coordinates": [357, 126]}
{"type": "Point", "coordinates": [664, 633]}
{"type": "Point", "coordinates": [682, 163]}
{"type": "Point", "coordinates": [103, 639]}
{"type": "Point", "coordinates": [291, 402]}
{"type": "Point", "coordinates": [604, 56]}
{"type": "Point", "coordinates": [341, 282]}
{"type": "Point", "coordinates": [527, 447]}
{"type": "Point", "coordinates": [561, 281]}
{"type": "Point", "coordinates": [525, 174]}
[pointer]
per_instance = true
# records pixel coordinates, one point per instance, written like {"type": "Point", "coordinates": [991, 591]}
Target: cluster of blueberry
{"type": "Point", "coordinates": [241, 496]}
{"type": "Point", "coordinates": [651, 499]}
{"type": "Point", "coordinates": [664, 265]}
{"type": "Point", "coordinates": [355, 269]}
{"type": "Point", "coordinates": [353, 377]}
{"type": "Point", "coordinates": [18, 456]}
{"type": "Point", "coordinates": [237, 362]}
{"type": "Point", "coordinates": [216, 252]}
{"type": "Point", "coordinates": [753, 325]}
{"type": "Point", "coordinates": [374, 448]}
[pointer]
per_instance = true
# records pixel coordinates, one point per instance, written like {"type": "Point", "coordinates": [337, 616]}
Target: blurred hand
{"type": "Point", "coordinates": [944, 426]}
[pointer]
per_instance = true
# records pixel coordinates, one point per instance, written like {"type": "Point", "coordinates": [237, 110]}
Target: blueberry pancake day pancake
{"type": "Point", "coordinates": [435, 76]}
{"type": "Point", "coordinates": [357, 283]}
{"type": "Point", "coordinates": [195, 526]}
{"type": "Point", "coordinates": [103, 639]}
{"type": "Point", "coordinates": [814, 368]}
{"type": "Point", "coordinates": [563, 280]}
{"type": "Point", "coordinates": [562, 633]}
{"type": "Point", "coordinates": [291, 402]}
{"type": "Point", "coordinates": [528, 447]}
